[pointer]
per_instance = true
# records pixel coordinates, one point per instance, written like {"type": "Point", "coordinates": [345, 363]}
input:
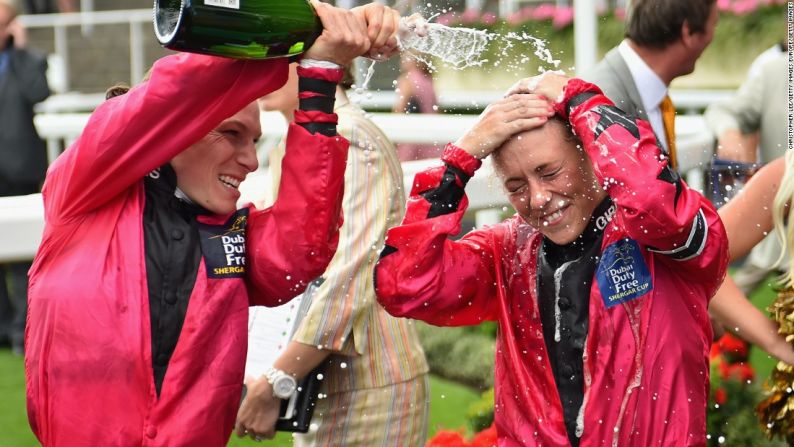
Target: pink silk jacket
{"type": "Point", "coordinates": [88, 343]}
{"type": "Point", "coordinates": [646, 370]}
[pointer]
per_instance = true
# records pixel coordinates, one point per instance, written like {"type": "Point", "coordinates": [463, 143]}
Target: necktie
{"type": "Point", "coordinates": [668, 118]}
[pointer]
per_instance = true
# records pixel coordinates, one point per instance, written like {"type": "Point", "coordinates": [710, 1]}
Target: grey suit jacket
{"type": "Point", "coordinates": [612, 75]}
{"type": "Point", "coordinates": [23, 156]}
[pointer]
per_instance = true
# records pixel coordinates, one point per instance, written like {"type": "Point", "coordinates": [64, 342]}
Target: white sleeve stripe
{"type": "Point", "coordinates": [699, 222]}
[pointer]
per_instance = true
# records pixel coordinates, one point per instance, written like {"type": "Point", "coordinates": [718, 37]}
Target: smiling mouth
{"type": "Point", "coordinates": [553, 218]}
{"type": "Point", "coordinates": [229, 182]}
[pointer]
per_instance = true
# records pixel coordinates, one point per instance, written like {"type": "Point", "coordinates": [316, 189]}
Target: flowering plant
{"type": "Point", "coordinates": [730, 418]}
{"type": "Point", "coordinates": [454, 438]}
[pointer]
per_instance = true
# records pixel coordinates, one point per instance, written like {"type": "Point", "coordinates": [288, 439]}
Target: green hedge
{"type": "Point", "coordinates": [459, 354]}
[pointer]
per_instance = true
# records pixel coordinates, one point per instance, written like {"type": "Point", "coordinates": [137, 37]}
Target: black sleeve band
{"type": "Point", "coordinates": [327, 129]}
{"type": "Point", "coordinates": [446, 197]}
{"type": "Point", "coordinates": [577, 100]}
{"type": "Point", "coordinates": [325, 88]}
{"type": "Point", "coordinates": [322, 103]}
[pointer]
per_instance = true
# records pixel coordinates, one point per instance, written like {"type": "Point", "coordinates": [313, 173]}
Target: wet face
{"type": "Point", "coordinates": [210, 171]}
{"type": "Point", "coordinates": [549, 181]}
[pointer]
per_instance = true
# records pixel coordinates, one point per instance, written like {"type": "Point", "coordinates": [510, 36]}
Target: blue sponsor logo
{"type": "Point", "coordinates": [622, 274]}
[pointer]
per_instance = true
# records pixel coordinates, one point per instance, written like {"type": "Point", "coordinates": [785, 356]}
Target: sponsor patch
{"type": "Point", "coordinates": [622, 274]}
{"type": "Point", "coordinates": [223, 246]}
{"type": "Point", "coordinates": [232, 4]}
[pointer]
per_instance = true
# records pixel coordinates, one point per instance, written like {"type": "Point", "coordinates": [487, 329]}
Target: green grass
{"type": "Point", "coordinates": [761, 361]}
{"type": "Point", "coordinates": [14, 428]}
{"type": "Point", "coordinates": [448, 405]}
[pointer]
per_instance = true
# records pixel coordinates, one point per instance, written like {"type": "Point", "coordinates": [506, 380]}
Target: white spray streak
{"type": "Point", "coordinates": [634, 322]}
{"type": "Point", "coordinates": [588, 381]}
{"type": "Point", "coordinates": [557, 284]}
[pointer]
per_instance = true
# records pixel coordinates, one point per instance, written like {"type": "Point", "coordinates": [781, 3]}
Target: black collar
{"type": "Point", "coordinates": [601, 216]}
{"type": "Point", "coordinates": [163, 182]}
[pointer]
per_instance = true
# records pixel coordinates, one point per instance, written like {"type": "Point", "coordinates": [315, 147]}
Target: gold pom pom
{"type": "Point", "coordinates": [776, 412]}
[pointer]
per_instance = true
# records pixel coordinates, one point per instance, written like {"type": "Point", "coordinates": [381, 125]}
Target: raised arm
{"type": "Point", "coordinates": [291, 243]}
{"type": "Point", "coordinates": [425, 275]}
{"type": "Point", "coordinates": [731, 308]}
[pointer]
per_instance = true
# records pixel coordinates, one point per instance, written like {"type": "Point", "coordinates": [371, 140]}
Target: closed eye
{"type": "Point", "coordinates": [513, 188]}
{"type": "Point", "coordinates": [550, 175]}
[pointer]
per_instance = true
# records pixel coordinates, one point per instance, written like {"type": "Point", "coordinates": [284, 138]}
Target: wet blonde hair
{"type": "Point", "coordinates": [781, 216]}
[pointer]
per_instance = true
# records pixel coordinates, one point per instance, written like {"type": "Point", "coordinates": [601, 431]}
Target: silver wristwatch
{"type": "Point", "coordinates": [283, 384]}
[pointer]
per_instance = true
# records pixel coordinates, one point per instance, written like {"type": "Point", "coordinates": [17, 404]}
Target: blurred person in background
{"type": "Point", "coordinates": [415, 94]}
{"type": "Point", "coordinates": [50, 6]}
{"type": "Point", "coordinates": [664, 39]}
{"type": "Point", "coordinates": [23, 155]}
{"type": "Point", "coordinates": [374, 363]}
{"type": "Point", "coordinates": [139, 294]}
{"type": "Point", "coordinates": [759, 105]}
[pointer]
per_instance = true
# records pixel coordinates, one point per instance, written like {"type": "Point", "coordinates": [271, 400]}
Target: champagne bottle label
{"type": "Point", "coordinates": [234, 4]}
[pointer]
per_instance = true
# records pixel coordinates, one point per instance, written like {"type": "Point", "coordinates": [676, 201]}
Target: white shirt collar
{"type": "Point", "coordinates": [651, 87]}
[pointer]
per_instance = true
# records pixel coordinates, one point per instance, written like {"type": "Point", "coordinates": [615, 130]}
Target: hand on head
{"type": "Point", "coordinates": [550, 85]}
{"type": "Point", "coordinates": [504, 118]}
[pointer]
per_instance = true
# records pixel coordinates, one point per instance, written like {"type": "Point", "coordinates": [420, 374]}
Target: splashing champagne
{"type": "Point", "coordinates": [240, 29]}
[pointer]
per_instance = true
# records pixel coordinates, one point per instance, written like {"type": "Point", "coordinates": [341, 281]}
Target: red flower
{"type": "Point", "coordinates": [723, 5]}
{"type": "Point", "coordinates": [447, 438]}
{"type": "Point", "coordinates": [544, 12]}
{"type": "Point", "coordinates": [720, 396]}
{"type": "Point", "coordinates": [470, 16]}
{"type": "Point", "coordinates": [741, 371]}
{"type": "Point", "coordinates": [485, 438]}
{"type": "Point", "coordinates": [563, 17]}
{"type": "Point", "coordinates": [734, 347]}
{"type": "Point", "coordinates": [488, 18]}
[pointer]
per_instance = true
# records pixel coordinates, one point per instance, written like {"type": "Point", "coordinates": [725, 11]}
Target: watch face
{"type": "Point", "coordinates": [283, 387]}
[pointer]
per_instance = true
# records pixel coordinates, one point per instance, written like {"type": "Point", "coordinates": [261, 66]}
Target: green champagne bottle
{"type": "Point", "coordinates": [240, 29]}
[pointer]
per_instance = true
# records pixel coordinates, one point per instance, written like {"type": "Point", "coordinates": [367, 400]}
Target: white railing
{"type": "Point", "coordinates": [22, 218]}
{"type": "Point", "coordinates": [138, 21]}
{"type": "Point", "coordinates": [688, 102]}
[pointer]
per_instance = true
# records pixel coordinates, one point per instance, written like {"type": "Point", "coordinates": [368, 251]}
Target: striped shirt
{"type": "Point", "coordinates": [371, 348]}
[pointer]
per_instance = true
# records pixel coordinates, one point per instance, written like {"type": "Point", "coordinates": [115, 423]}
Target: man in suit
{"type": "Point", "coordinates": [23, 157]}
{"type": "Point", "coordinates": [664, 39]}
